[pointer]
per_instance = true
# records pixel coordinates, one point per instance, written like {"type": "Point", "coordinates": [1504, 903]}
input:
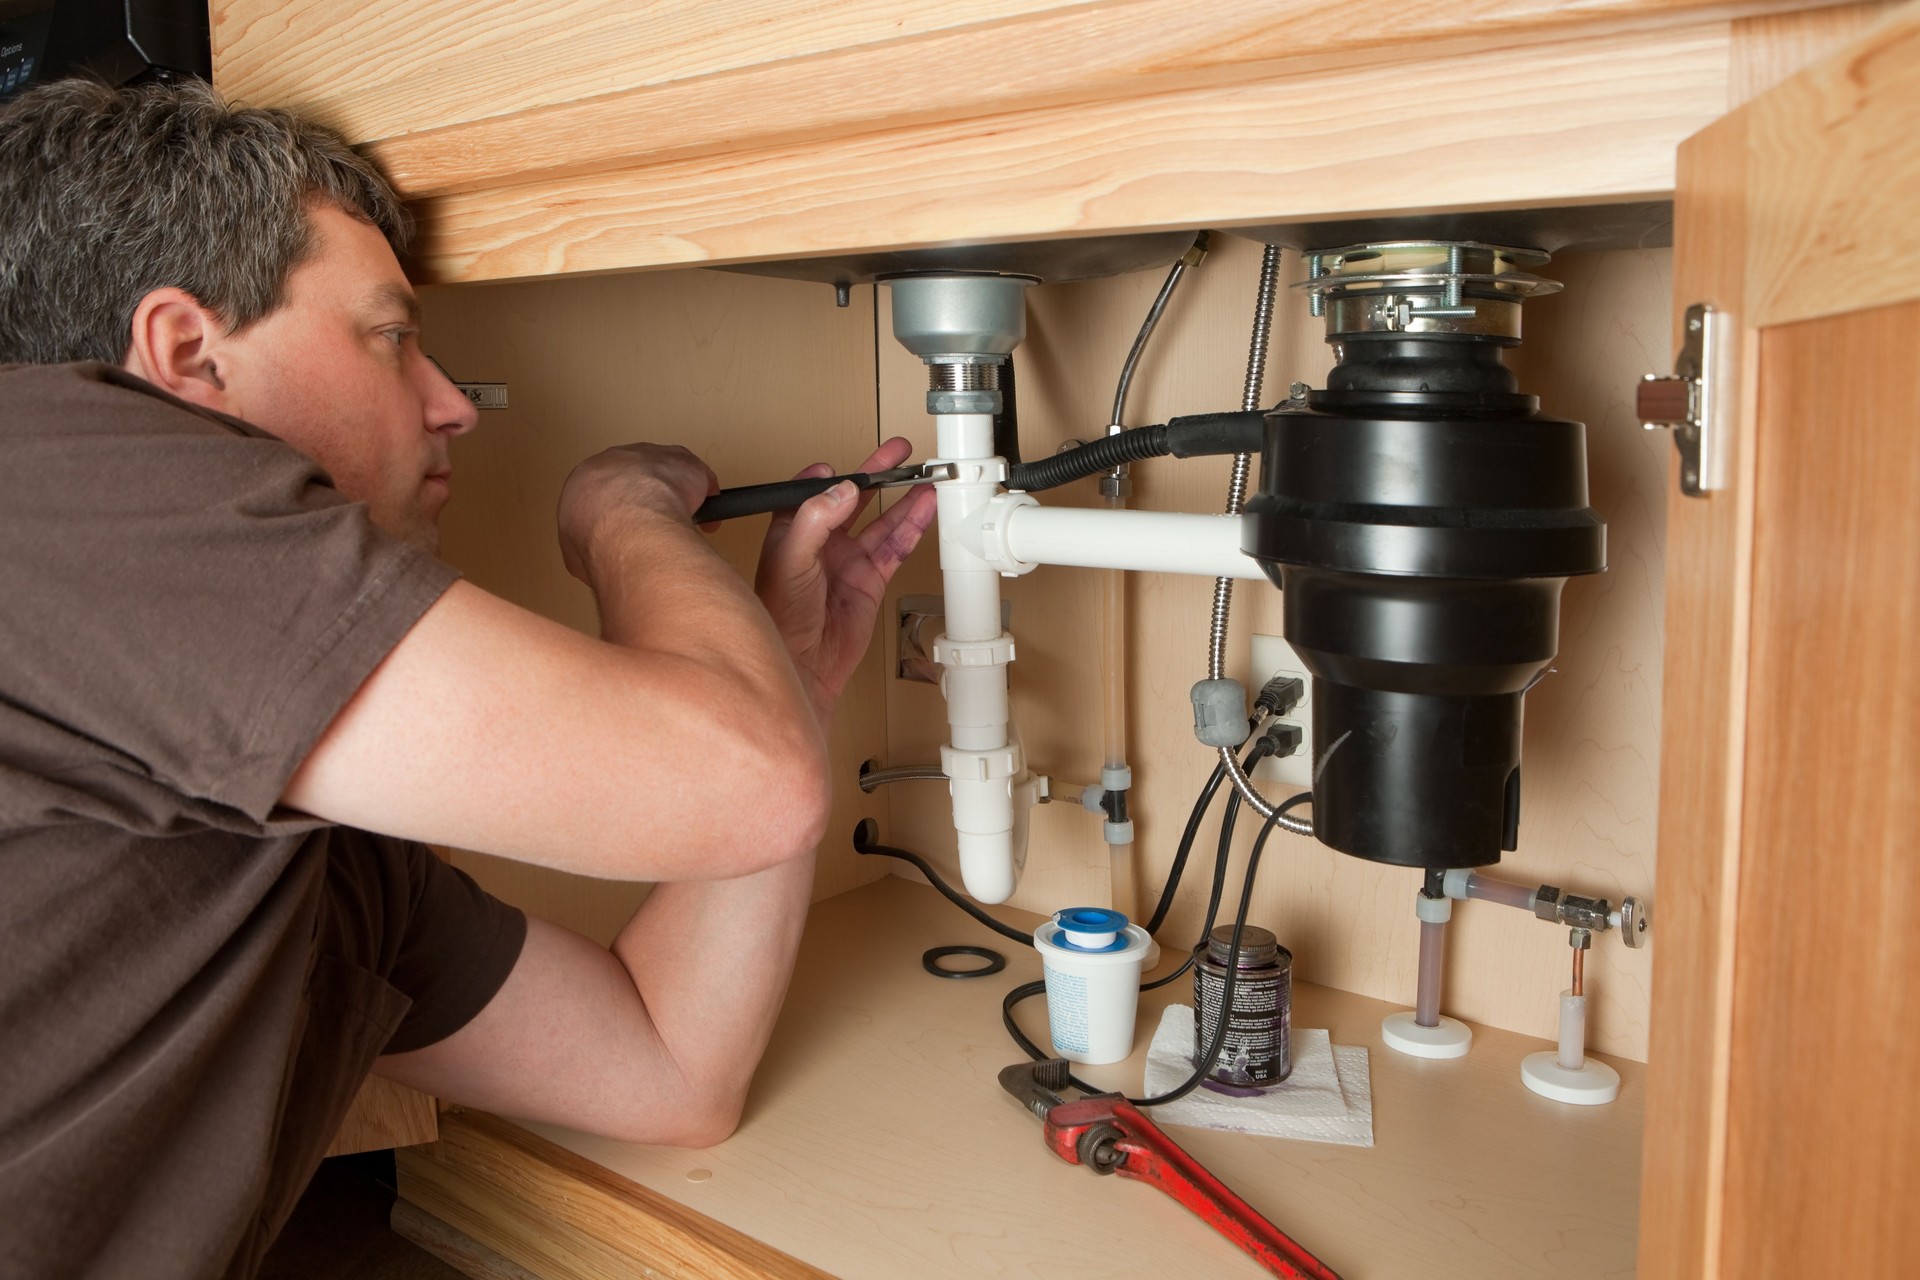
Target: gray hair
{"type": "Point", "coordinates": [108, 194]}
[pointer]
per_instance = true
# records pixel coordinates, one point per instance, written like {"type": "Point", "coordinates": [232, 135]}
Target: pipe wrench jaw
{"type": "Point", "coordinates": [1036, 1085]}
{"type": "Point", "coordinates": [1108, 1134]}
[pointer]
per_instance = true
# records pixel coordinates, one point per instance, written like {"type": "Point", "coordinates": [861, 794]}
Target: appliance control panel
{"type": "Point", "coordinates": [23, 44]}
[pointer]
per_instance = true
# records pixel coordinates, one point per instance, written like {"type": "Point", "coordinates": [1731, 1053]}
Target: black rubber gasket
{"type": "Point", "coordinates": [930, 961]}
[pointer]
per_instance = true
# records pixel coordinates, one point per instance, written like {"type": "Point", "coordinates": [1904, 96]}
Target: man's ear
{"type": "Point", "coordinates": [176, 345]}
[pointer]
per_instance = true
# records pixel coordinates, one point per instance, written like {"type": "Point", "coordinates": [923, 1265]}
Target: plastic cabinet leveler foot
{"type": "Point", "coordinates": [1108, 1134]}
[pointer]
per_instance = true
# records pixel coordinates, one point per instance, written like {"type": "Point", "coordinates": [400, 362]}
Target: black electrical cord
{"type": "Point", "coordinates": [866, 840]}
{"type": "Point", "coordinates": [1162, 981]}
{"type": "Point", "coordinates": [1219, 866]}
{"type": "Point", "coordinates": [1194, 818]}
{"type": "Point", "coordinates": [1205, 1062]}
{"type": "Point", "coordinates": [1221, 851]}
{"type": "Point", "coordinates": [1204, 1066]}
{"type": "Point", "coordinates": [1199, 813]}
{"type": "Point", "coordinates": [1268, 703]}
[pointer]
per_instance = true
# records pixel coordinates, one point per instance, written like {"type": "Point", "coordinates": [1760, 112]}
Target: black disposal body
{"type": "Point", "coordinates": [1420, 516]}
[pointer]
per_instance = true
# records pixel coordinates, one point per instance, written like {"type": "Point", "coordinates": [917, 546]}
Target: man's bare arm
{"type": "Point", "coordinates": [491, 728]}
{"type": "Point", "coordinates": [656, 1042]}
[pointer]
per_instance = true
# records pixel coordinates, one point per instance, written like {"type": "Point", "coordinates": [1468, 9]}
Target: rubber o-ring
{"type": "Point", "coordinates": [930, 961]}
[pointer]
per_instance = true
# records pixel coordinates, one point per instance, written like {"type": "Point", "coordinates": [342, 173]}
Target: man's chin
{"type": "Point", "coordinates": [425, 537]}
{"type": "Point", "coordinates": [417, 530]}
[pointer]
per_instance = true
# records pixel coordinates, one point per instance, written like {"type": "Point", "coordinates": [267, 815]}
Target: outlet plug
{"type": "Point", "coordinates": [1273, 656]}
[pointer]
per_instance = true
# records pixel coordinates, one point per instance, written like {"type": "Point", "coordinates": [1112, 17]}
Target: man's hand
{"type": "Point", "coordinates": [628, 479]}
{"type": "Point", "coordinates": [822, 586]}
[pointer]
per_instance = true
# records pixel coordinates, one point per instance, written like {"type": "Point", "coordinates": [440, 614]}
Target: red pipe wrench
{"type": "Point", "coordinates": [1108, 1134]}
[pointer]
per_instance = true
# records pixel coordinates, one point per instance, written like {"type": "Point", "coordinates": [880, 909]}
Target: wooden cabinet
{"type": "Point", "coordinates": [582, 136]}
{"type": "Point", "coordinates": [1785, 1061]}
{"type": "Point", "coordinates": [568, 138]}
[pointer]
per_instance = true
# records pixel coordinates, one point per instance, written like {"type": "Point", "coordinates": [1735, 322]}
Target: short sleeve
{"type": "Point", "coordinates": [185, 592]}
{"type": "Point", "coordinates": [422, 925]}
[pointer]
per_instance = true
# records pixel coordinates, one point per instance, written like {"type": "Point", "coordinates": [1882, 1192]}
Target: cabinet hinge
{"type": "Point", "coordinates": [1695, 401]}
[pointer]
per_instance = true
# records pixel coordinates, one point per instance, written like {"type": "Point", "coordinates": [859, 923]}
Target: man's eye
{"type": "Point", "coordinates": [399, 336]}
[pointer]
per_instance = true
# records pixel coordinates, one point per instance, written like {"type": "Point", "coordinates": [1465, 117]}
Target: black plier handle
{"type": "Point", "coordinates": [784, 495]}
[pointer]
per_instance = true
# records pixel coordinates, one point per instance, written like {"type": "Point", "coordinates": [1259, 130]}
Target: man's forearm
{"type": "Point", "coordinates": [661, 588]}
{"type": "Point", "coordinates": [711, 960]}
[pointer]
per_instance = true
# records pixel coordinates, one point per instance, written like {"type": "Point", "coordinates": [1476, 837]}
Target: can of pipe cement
{"type": "Point", "coordinates": [1256, 1052]}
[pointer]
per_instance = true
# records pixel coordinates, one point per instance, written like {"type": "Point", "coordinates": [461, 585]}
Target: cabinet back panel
{"type": "Point", "coordinates": [1592, 728]}
{"type": "Point", "coordinates": [762, 376]}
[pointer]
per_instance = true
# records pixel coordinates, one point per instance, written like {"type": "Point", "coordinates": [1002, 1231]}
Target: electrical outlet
{"type": "Point", "coordinates": [1273, 656]}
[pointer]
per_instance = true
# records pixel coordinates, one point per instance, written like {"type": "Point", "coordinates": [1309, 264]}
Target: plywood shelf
{"type": "Point", "coordinates": [878, 1144]}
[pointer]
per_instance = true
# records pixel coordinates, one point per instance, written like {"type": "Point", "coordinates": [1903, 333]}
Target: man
{"type": "Point", "coordinates": [228, 656]}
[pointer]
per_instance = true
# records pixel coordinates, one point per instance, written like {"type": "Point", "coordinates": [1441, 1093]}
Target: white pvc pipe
{"type": "Point", "coordinates": [1152, 541]}
{"type": "Point", "coordinates": [979, 762]}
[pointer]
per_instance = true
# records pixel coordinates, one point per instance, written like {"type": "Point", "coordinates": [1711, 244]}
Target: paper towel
{"type": "Point", "coordinates": [1327, 1098]}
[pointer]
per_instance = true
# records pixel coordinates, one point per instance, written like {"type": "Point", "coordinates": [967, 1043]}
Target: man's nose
{"type": "Point", "coordinates": [447, 408]}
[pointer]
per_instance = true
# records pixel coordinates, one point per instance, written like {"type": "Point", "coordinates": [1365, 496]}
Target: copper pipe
{"type": "Point", "coordinates": [1579, 970]}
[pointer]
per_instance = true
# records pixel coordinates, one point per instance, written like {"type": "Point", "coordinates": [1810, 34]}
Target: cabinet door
{"type": "Point", "coordinates": [1783, 1109]}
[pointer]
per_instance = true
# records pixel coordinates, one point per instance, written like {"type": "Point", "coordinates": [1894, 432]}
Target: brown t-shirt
{"type": "Point", "coordinates": [193, 980]}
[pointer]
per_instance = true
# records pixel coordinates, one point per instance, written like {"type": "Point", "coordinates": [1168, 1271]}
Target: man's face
{"type": "Point", "coordinates": [337, 372]}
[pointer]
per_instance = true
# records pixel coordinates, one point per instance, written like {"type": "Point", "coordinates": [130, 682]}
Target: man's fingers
{"type": "Point", "coordinates": [889, 455]}
{"type": "Point", "coordinates": [892, 537]}
{"type": "Point", "coordinates": [810, 525]}
{"type": "Point", "coordinates": [782, 520]}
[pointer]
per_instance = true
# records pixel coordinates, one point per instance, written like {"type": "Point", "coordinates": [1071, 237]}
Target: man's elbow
{"type": "Point", "coordinates": [698, 1123]}
{"type": "Point", "coordinates": [789, 814]}
{"type": "Point", "coordinates": [713, 1128]}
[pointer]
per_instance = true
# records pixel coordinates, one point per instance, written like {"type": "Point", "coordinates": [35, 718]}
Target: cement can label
{"type": "Point", "coordinates": [1257, 1049]}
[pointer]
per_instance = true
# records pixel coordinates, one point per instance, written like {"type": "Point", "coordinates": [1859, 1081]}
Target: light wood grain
{"type": "Point", "coordinates": [546, 1209]}
{"type": "Point", "coordinates": [1709, 591]}
{"type": "Point", "coordinates": [455, 1248]}
{"type": "Point", "coordinates": [1770, 47]}
{"type": "Point", "coordinates": [389, 67]}
{"type": "Point", "coordinates": [461, 97]}
{"type": "Point", "coordinates": [1571, 122]}
{"type": "Point", "coordinates": [878, 1144]}
{"type": "Point", "coordinates": [1057, 56]}
{"type": "Point", "coordinates": [760, 377]}
{"type": "Point", "coordinates": [385, 1114]}
{"type": "Point", "coordinates": [1728, 1022]}
{"type": "Point", "coordinates": [1592, 756]}
{"type": "Point", "coordinates": [1824, 1096]}
{"type": "Point", "coordinates": [1840, 174]}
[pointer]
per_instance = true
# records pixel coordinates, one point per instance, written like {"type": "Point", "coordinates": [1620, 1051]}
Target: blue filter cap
{"type": "Point", "coordinates": [1091, 929]}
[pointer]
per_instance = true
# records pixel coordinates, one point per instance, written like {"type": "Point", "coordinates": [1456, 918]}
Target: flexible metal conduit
{"type": "Point", "coordinates": [1236, 494]}
{"type": "Point", "coordinates": [874, 779]}
{"type": "Point", "coordinates": [1174, 274]}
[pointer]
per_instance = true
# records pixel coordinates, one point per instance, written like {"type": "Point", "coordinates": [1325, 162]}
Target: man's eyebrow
{"type": "Point", "coordinates": [396, 295]}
